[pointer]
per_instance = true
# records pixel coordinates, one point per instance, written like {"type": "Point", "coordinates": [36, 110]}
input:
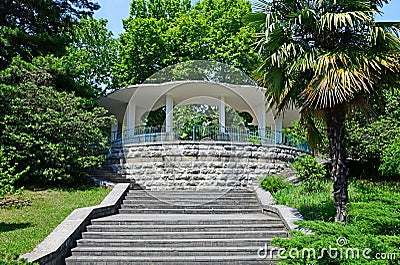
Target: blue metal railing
{"type": "Point", "coordinates": [141, 134]}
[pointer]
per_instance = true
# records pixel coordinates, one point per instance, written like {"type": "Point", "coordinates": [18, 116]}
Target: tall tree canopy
{"type": "Point", "coordinates": [326, 57]}
{"type": "Point", "coordinates": [90, 56]}
{"type": "Point", "coordinates": [33, 28]}
{"type": "Point", "coordinates": [160, 33]}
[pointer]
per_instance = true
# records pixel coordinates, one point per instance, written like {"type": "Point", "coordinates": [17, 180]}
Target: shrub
{"type": "Point", "coordinates": [56, 134]}
{"type": "Point", "coordinates": [8, 174]}
{"type": "Point", "coordinates": [391, 160]}
{"type": "Point", "coordinates": [310, 172]}
{"type": "Point", "coordinates": [273, 183]}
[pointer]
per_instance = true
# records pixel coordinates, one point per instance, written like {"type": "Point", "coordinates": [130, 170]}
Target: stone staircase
{"type": "Point", "coordinates": [181, 227]}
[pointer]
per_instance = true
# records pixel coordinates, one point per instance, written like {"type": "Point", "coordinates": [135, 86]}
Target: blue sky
{"type": "Point", "coordinates": [117, 10]}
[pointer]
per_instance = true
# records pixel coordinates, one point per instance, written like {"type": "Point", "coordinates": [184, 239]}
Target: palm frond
{"type": "Point", "coordinates": [256, 19]}
{"type": "Point", "coordinates": [324, 53]}
{"type": "Point", "coordinates": [335, 87]}
{"type": "Point", "coordinates": [340, 21]}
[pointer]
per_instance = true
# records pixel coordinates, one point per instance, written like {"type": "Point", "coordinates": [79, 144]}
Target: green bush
{"type": "Point", "coordinates": [56, 134]}
{"type": "Point", "coordinates": [8, 174]}
{"type": "Point", "coordinates": [273, 183]}
{"type": "Point", "coordinates": [390, 165]}
{"type": "Point", "coordinates": [310, 172]}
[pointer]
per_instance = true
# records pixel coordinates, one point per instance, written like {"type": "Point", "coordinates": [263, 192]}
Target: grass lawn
{"type": "Point", "coordinates": [22, 228]}
{"type": "Point", "coordinates": [373, 223]}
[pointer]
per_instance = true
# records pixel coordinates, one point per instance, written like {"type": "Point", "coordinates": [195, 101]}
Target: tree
{"type": "Point", "coordinates": [51, 136]}
{"type": "Point", "coordinates": [33, 28]}
{"type": "Point", "coordinates": [91, 55]}
{"type": "Point", "coordinates": [369, 136]}
{"type": "Point", "coordinates": [326, 57]}
{"type": "Point", "coordinates": [161, 33]}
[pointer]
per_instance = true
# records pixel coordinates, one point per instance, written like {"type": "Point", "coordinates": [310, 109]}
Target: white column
{"type": "Point", "coordinates": [261, 118]}
{"type": "Point", "coordinates": [114, 132]}
{"type": "Point", "coordinates": [130, 119]}
{"type": "Point", "coordinates": [278, 130]}
{"type": "Point", "coordinates": [221, 115]}
{"type": "Point", "coordinates": [169, 113]}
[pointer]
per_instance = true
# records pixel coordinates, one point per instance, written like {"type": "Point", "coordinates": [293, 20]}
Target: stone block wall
{"type": "Point", "coordinates": [196, 165]}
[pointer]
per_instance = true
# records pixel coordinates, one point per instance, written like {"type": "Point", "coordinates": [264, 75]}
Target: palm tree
{"type": "Point", "coordinates": [325, 57]}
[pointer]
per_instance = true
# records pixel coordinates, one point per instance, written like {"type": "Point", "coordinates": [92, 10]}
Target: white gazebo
{"type": "Point", "coordinates": [129, 104]}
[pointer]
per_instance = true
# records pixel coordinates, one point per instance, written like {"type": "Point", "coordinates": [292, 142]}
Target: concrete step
{"type": "Point", "coordinates": [188, 203]}
{"type": "Point", "coordinates": [222, 200]}
{"type": "Point", "coordinates": [176, 235]}
{"type": "Point", "coordinates": [179, 242]}
{"type": "Point", "coordinates": [171, 260]}
{"type": "Point", "coordinates": [188, 193]}
{"type": "Point", "coordinates": [184, 219]}
{"type": "Point", "coordinates": [189, 200]}
{"type": "Point", "coordinates": [188, 196]}
{"type": "Point", "coordinates": [166, 251]}
{"type": "Point", "coordinates": [185, 222]}
{"type": "Point", "coordinates": [191, 192]}
{"type": "Point", "coordinates": [188, 206]}
{"type": "Point", "coordinates": [191, 211]}
{"type": "Point", "coordinates": [184, 228]}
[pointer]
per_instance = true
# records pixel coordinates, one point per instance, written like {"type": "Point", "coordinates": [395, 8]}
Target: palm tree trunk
{"type": "Point", "coordinates": [335, 118]}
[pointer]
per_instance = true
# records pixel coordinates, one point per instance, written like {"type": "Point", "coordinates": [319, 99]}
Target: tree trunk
{"type": "Point", "coordinates": [335, 118]}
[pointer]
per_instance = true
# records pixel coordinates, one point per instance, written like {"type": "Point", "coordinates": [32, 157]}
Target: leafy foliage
{"type": "Point", "coordinates": [310, 171]}
{"type": "Point", "coordinates": [310, 130]}
{"type": "Point", "coordinates": [91, 55]}
{"type": "Point", "coordinates": [186, 117]}
{"type": "Point", "coordinates": [391, 159]}
{"type": "Point", "coordinates": [372, 139]}
{"type": "Point", "coordinates": [56, 134]}
{"type": "Point", "coordinates": [163, 33]}
{"type": "Point", "coordinates": [273, 183]}
{"type": "Point", "coordinates": [33, 28]}
{"type": "Point", "coordinates": [8, 174]}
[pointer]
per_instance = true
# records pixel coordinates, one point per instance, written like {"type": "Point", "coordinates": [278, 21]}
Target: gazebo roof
{"type": "Point", "coordinates": [152, 96]}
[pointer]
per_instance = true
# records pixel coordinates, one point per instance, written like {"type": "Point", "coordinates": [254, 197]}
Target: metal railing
{"type": "Point", "coordinates": [142, 134]}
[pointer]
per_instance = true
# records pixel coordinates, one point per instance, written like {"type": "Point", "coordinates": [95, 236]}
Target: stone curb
{"type": "Point", "coordinates": [56, 247]}
{"type": "Point", "coordinates": [288, 215]}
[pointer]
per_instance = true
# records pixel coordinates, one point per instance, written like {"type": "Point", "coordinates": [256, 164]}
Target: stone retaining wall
{"type": "Point", "coordinates": [194, 165]}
